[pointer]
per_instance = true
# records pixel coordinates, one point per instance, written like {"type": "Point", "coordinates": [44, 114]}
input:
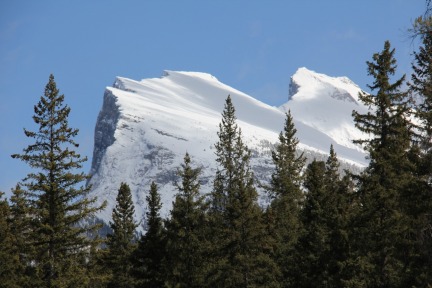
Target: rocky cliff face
{"type": "Point", "coordinates": [145, 127]}
{"type": "Point", "coordinates": [105, 128]}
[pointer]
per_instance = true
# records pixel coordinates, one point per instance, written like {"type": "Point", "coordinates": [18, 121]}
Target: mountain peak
{"type": "Point", "coordinates": [315, 84]}
{"type": "Point", "coordinates": [325, 103]}
{"type": "Point", "coordinates": [145, 127]}
{"type": "Point", "coordinates": [191, 74]}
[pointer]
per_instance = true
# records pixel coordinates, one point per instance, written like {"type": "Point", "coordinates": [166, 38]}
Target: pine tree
{"type": "Point", "coordinates": [21, 229]}
{"type": "Point", "coordinates": [421, 83]}
{"type": "Point", "coordinates": [324, 244]}
{"type": "Point", "coordinates": [150, 257]}
{"type": "Point", "coordinates": [186, 242]}
{"type": "Point", "coordinates": [96, 265]}
{"type": "Point", "coordinates": [285, 187]}
{"type": "Point", "coordinates": [9, 259]}
{"type": "Point", "coordinates": [337, 207]}
{"type": "Point", "coordinates": [422, 25]}
{"type": "Point", "coordinates": [314, 242]}
{"type": "Point", "coordinates": [121, 242]}
{"type": "Point", "coordinates": [59, 203]}
{"type": "Point", "coordinates": [381, 221]}
{"type": "Point", "coordinates": [241, 255]}
{"type": "Point", "coordinates": [419, 198]}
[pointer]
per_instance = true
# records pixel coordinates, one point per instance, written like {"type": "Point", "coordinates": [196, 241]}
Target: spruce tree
{"type": "Point", "coordinates": [9, 259]}
{"type": "Point", "coordinates": [422, 25]}
{"type": "Point", "coordinates": [314, 241]}
{"type": "Point", "coordinates": [324, 244]}
{"type": "Point", "coordinates": [59, 204]}
{"type": "Point", "coordinates": [381, 221]}
{"type": "Point", "coordinates": [421, 84]}
{"type": "Point", "coordinates": [149, 258]}
{"type": "Point", "coordinates": [420, 197]}
{"type": "Point", "coordinates": [21, 230]}
{"type": "Point", "coordinates": [338, 211]}
{"type": "Point", "coordinates": [121, 242]}
{"type": "Point", "coordinates": [186, 241]}
{"type": "Point", "coordinates": [241, 255]}
{"type": "Point", "coordinates": [285, 187]}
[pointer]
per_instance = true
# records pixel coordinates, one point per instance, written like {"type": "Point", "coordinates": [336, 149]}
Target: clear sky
{"type": "Point", "coordinates": [253, 46]}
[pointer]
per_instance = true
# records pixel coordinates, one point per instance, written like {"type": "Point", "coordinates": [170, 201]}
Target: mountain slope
{"type": "Point", "coordinates": [326, 103]}
{"type": "Point", "coordinates": [145, 127]}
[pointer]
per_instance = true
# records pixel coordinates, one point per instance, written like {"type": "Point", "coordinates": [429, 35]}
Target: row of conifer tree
{"type": "Point", "coordinates": [321, 229]}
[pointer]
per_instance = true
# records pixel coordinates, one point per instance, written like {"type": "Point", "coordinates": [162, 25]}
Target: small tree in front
{"type": "Point", "coordinates": [186, 239]}
{"type": "Point", "coordinates": [149, 257]}
{"type": "Point", "coordinates": [121, 242]}
{"type": "Point", "coordinates": [287, 200]}
{"type": "Point", "coordinates": [240, 249]}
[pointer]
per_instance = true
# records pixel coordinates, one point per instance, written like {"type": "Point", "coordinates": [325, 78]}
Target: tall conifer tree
{"type": "Point", "coordinates": [382, 223]}
{"type": "Point", "coordinates": [239, 236]}
{"type": "Point", "coordinates": [149, 257]}
{"type": "Point", "coordinates": [59, 203]}
{"type": "Point", "coordinates": [186, 241]}
{"type": "Point", "coordinates": [338, 211]}
{"type": "Point", "coordinates": [420, 196]}
{"type": "Point", "coordinates": [324, 244]}
{"type": "Point", "coordinates": [9, 258]}
{"type": "Point", "coordinates": [285, 187]}
{"type": "Point", "coordinates": [121, 243]}
{"type": "Point", "coordinates": [22, 233]}
{"type": "Point", "coordinates": [313, 243]}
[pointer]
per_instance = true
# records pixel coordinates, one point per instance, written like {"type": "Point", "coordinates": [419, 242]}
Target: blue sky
{"type": "Point", "coordinates": [254, 46]}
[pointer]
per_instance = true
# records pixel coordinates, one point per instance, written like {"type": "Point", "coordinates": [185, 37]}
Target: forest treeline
{"type": "Point", "coordinates": [321, 229]}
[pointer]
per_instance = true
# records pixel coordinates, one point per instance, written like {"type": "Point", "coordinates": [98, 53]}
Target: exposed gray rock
{"type": "Point", "coordinates": [105, 127]}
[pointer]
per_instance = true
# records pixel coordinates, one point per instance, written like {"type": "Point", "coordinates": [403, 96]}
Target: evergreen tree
{"type": "Point", "coordinates": [285, 187]}
{"type": "Point", "coordinates": [21, 230]}
{"type": "Point", "coordinates": [421, 84]}
{"type": "Point", "coordinates": [419, 198]}
{"type": "Point", "coordinates": [337, 207]}
{"type": "Point", "coordinates": [324, 245]}
{"type": "Point", "coordinates": [59, 203]}
{"type": "Point", "coordinates": [9, 259]}
{"type": "Point", "coordinates": [381, 221]}
{"type": "Point", "coordinates": [96, 265]}
{"type": "Point", "coordinates": [239, 238]}
{"type": "Point", "coordinates": [314, 242]}
{"type": "Point", "coordinates": [149, 257]}
{"type": "Point", "coordinates": [121, 242]}
{"type": "Point", "coordinates": [186, 242]}
{"type": "Point", "coordinates": [422, 25]}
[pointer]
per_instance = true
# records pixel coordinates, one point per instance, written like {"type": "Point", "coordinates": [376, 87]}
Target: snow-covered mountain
{"type": "Point", "coordinates": [145, 128]}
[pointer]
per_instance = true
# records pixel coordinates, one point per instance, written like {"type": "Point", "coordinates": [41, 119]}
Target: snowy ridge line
{"type": "Point", "coordinates": [145, 127]}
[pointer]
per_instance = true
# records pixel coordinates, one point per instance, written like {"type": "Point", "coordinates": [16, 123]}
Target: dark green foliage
{"type": "Point", "coordinates": [121, 242]}
{"type": "Point", "coordinates": [421, 84]}
{"type": "Point", "coordinates": [324, 244]}
{"type": "Point", "coordinates": [20, 223]}
{"type": "Point", "coordinates": [58, 203]}
{"type": "Point", "coordinates": [387, 118]}
{"type": "Point", "coordinates": [10, 272]}
{"type": "Point", "coordinates": [96, 266]}
{"type": "Point", "coordinates": [288, 167]}
{"type": "Point", "coordinates": [419, 196]}
{"type": "Point", "coordinates": [186, 239]}
{"type": "Point", "coordinates": [149, 257]}
{"type": "Point", "coordinates": [314, 243]}
{"type": "Point", "coordinates": [422, 25]}
{"type": "Point", "coordinates": [382, 223]}
{"type": "Point", "coordinates": [285, 187]}
{"type": "Point", "coordinates": [338, 207]}
{"type": "Point", "coordinates": [241, 256]}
